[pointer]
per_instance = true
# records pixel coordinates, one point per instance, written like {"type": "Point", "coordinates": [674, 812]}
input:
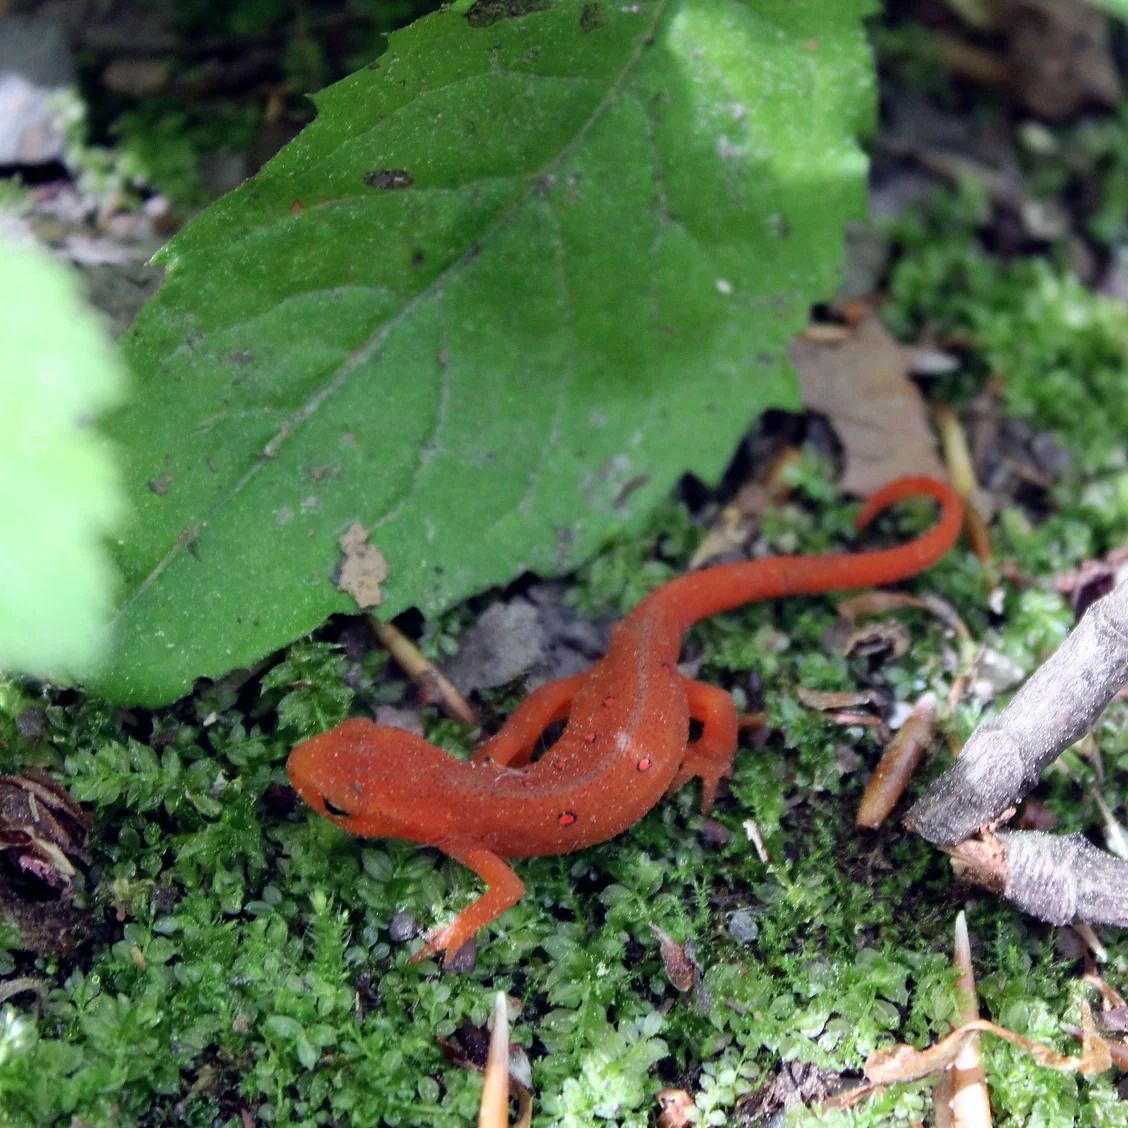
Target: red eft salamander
{"type": "Point", "coordinates": [626, 742]}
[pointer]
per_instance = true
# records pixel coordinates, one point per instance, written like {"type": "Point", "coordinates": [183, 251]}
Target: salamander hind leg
{"type": "Point", "coordinates": [709, 757]}
{"type": "Point", "coordinates": [503, 890]}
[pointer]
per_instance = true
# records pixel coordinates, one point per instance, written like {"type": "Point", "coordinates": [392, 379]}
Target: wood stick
{"type": "Point", "coordinates": [1004, 757]}
{"type": "Point", "coordinates": [1060, 878]}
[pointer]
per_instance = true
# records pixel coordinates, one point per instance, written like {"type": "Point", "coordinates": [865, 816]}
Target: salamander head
{"type": "Point", "coordinates": [374, 781]}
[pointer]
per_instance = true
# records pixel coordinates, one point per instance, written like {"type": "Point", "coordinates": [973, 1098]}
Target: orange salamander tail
{"type": "Point", "coordinates": [723, 587]}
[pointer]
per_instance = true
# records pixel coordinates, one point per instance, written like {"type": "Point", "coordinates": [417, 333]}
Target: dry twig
{"type": "Point", "coordinates": [1005, 757]}
{"type": "Point", "coordinates": [493, 1111]}
{"type": "Point", "coordinates": [433, 684]}
{"type": "Point", "coordinates": [1055, 878]}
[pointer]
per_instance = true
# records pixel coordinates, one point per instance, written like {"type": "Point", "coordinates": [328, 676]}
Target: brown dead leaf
{"type": "Point", "coordinates": [828, 700]}
{"type": "Point", "coordinates": [904, 1063]}
{"type": "Point", "coordinates": [41, 827]}
{"type": "Point", "coordinates": [42, 840]}
{"type": "Point", "coordinates": [862, 386]}
{"type": "Point", "coordinates": [681, 968]}
{"type": "Point", "coordinates": [45, 927]}
{"type": "Point", "coordinates": [870, 603]}
{"type": "Point", "coordinates": [1113, 1017]}
{"type": "Point", "coordinates": [363, 568]}
{"type": "Point", "coordinates": [1060, 56]}
{"type": "Point", "coordinates": [138, 77]}
{"type": "Point", "coordinates": [847, 719]}
{"type": "Point", "coordinates": [897, 764]}
{"type": "Point", "coordinates": [1111, 1000]}
{"type": "Point", "coordinates": [889, 639]}
{"type": "Point", "coordinates": [1115, 1020]}
{"type": "Point", "coordinates": [1092, 580]}
{"type": "Point", "coordinates": [795, 1083]}
{"type": "Point", "coordinates": [1117, 1051]}
{"type": "Point", "coordinates": [468, 1047]}
{"type": "Point", "coordinates": [843, 707]}
{"type": "Point", "coordinates": [677, 1109]}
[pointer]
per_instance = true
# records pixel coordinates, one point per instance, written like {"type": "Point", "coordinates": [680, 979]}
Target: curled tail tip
{"type": "Point", "coordinates": [912, 486]}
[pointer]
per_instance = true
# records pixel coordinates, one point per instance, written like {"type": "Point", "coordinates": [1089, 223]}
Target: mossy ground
{"type": "Point", "coordinates": [239, 956]}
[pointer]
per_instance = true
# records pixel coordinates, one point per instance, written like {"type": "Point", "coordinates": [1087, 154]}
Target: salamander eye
{"type": "Point", "coordinates": [333, 809]}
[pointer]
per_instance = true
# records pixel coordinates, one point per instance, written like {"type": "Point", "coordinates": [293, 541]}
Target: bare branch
{"type": "Point", "coordinates": [1004, 757]}
{"type": "Point", "coordinates": [1059, 878]}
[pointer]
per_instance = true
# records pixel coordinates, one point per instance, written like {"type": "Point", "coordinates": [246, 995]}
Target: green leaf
{"type": "Point", "coordinates": [58, 490]}
{"type": "Point", "coordinates": [1116, 7]}
{"type": "Point", "coordinates": [518, 276]}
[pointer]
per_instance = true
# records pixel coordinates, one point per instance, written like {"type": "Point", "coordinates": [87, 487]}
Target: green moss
{"type": "Point", "coordinates": [243, 959]}
{"type": "Point", "coordinates": [632, 567]}
{"type": "Point", "coordinates": [1088, 164]}
{"type": "Point", "coordinates": [1057, 347]}
{"type": "Point", "coordinates": [253, 965]}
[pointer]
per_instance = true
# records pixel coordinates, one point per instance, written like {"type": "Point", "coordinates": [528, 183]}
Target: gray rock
{"type": "Point", "coordinates": [35, 64]}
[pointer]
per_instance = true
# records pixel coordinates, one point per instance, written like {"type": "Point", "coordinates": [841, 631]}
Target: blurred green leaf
{"type": "Point", "coordinates": [519, 276]}
{"type": "Point", "coordinates": [59, 493]}
{"type": "Point", "coordinates": [1116, 7]}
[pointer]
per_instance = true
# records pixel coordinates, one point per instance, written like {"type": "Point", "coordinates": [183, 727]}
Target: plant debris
{"type": "Point", "coordinates": [363, 568]}
{"type": "Point", "coordinates": [42, 843]}
{"type": "Point", "coordinates": [844, 379]}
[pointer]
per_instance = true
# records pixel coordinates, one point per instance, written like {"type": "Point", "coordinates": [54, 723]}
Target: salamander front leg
{"type": "Point", "coordinates": [515, 744]}
{"type": "Point", "coordinates": [503, 890]}
{"type": "Point", "coordinates": [709, 757]}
